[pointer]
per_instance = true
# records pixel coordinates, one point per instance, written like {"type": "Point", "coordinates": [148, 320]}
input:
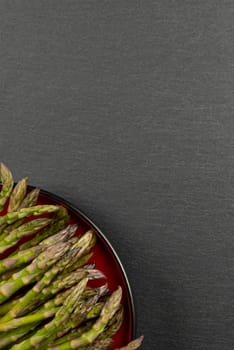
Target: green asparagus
{"type": "Point", "coordinates": [113, 325]}
{"type": "Point", "coordinates": [17, 195]}
{"type": "Point", "coordinates": [19, 258]}
{"type": "Point", "coordinates": [61, 236]}
{"type": "Point", "coordinates": [24, 230]}
{"type": "Point", "coordinates": [29, 201]}
{"type": "Point", "coordinates": [9, 218]}
{"type": "Point", "coordinates": [11, 337]}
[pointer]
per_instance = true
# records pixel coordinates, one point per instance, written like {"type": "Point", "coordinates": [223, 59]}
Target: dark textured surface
{"type": "Point", "coordinates": [126, 109]}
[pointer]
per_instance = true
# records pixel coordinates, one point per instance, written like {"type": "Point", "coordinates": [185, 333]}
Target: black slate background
{"type": "Point", "coordinates": [126, 108]}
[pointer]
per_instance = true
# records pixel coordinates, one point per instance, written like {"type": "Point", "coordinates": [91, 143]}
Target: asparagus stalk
{"type": "Point", "coordinates": [24, 230]}
{"type": "Point", "coordinates": [56, 286]}
{"type": "Point", "coordinates": [6, 307]}
{"type": "Point", "coordinates": [61, 236]}
{"type": "Point", "coordinates": [101, 291]}
{"type": "Point", "coordinates": [17, 195]}
{"type": "Point", "coordinates": [80, 262]}
{"type": "Point", "coordinates": [29, 201]}
{"type": "Point", "coordinates": [69, 279]}
{"type": "Point", "coordinates": [8, 274]}
{"type": "Point", "coordinates": [31, 318]}
{"type": "Point", "coordinates": [7, 184]}
{"type": "Point", "coordinates": [72, 334]}
{"type": "Point", "coordinates": [84, 244]}
{"type": "Point", "coordinates": [9, 218]}
{"type": "Point", "coordinates": [20, 258]}
{"type": "Point", "coordinates": [113, 325]}
{"type": "Point", "coordinates": [6, 339]}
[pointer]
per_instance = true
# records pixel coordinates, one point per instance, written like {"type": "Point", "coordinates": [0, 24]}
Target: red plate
{"type": "Point", "coordinates": [106, 260]}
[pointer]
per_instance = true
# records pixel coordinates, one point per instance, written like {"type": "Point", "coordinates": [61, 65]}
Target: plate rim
{"type": "Point", "coordinates": [103, 236]}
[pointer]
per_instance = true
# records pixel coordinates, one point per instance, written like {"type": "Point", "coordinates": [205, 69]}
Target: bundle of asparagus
{"type": "Point", "coordinates": [45, 298]}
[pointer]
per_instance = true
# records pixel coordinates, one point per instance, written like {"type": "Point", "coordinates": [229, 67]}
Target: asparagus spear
{"type": "Point", "coordinates": [17, 195]}
{"type": "Point", "coordinates": [84, 243]}
{"type": "Point", "coordinates": [6, 339]}
{"type": "Point", "coordinates": [5, 307]}
{"type": "Point", "coordinates": [80, 262]}
{"type": "Point", "coordinates": [7, 184]}
{"type": "Point", "coordinates": [31, 318]}
{"type": "Point", "coordinates": [47, 333]}
{"type": "Point", "coordinates": [20, 258]}
{"type": "Point", "coordinates": [8, 274]}
{"type": "Point", "coordinates": [29, 201]}
{"type": "Point", "coordinates": [73, 333]}
{"type": "Point", "coordinates": [113, 325]}
{"type": "Point", "coordinates": [69, 279]}
{"type": "Point", "coordinates": [9, 218]}
{"type": "Point", "coordinates": [61, 236]}
{"type": "Point", "coordinates": [101, 291]}
{"type": "Point", "coordinates": [26, 229]}
{"type": "Point", "coordinates": [133, 345]}
{"type": "Point", "coordinates": [33, 271]}
{"type": "Point", "coordinates": [56, 286]}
